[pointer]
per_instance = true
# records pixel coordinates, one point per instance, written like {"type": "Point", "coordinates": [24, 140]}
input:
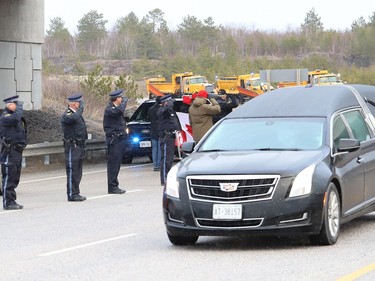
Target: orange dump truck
{"type": "Point", "coordinates": [246, 85]}
{"type": "Point", "coordinates": [181, 84]}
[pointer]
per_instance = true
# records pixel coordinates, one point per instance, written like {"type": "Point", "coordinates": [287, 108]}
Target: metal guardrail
{"type": "Point", "coordinates": [48, 148]}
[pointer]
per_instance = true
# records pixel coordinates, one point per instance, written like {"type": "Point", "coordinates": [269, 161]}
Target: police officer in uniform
{"type": "Point", "coordinates": [168, 125]}
{"type": "Point", "coordinates": [114, 128]}
{"type": "Point", "coordinates": [75, 136]}
{"type": "Point", "coordinates": [152, 115]}
{"type": "Point", "coordinates": [13, 142]}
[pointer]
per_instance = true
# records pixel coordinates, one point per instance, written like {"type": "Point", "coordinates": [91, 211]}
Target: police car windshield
{"type": "Point", "coordinates": [141, 115]}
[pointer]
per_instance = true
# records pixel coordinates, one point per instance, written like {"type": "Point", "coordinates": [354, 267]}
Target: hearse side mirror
{"type": "Point", "coordinates": [127, 119]}
{"type": "Point", "coordinates": [348, 145]}
{"type": "Point", "coordinates": [188, 147]}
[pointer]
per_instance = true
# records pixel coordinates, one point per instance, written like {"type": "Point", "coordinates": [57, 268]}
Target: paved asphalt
{"type": "Point", "coordinates": [122, 237]}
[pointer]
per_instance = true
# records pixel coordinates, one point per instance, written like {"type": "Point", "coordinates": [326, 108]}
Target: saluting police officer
{"type": "Point", "coordinates": [13, 142]}
{"type": "Point", "coordinates": [168, 125]}
{"type": "Point", "coordinates": [114, 128]}
{"type": "Point", "coordinates": [75, 136]}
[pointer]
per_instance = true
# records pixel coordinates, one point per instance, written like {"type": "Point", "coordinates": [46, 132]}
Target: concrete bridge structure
{"type": "Point", "coordinates": [21, 39]}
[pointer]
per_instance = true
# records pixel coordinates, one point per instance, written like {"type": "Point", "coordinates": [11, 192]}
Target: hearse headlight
{"type": "Point", "coordinates": [172, 182]}
{"type": "Point", "coordinates": [303, 182]}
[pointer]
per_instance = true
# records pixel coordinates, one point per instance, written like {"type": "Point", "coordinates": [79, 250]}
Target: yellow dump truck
{"type": "Point", "coordinates": [254, 83]}
{"type": "Point", "coordinates": [246, 85]}
{"type": "Point", "coordinates": [326, 79]}
{"type": "Point", "coordinates": [323, 77]}
{"type": "Point", "coordinates": [316, 77]}
{"type": "Point", "coordinates": [181, 84]}
{"type": "Point", "coordinates": [227, 84]}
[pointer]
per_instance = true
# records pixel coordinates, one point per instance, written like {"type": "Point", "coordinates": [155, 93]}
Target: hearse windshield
{"type": "Point", "coordinates": [266, 134]}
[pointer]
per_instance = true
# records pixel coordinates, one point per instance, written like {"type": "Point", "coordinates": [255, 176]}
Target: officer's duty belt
{"type": "Point", "coordinates": [114, 135]}
{"type": "Point", "coordinates": [169, 133]}
{"type": "Point", "coordinates": [18, 146]}
{"type": "Point", "coordinates": [79, 142]}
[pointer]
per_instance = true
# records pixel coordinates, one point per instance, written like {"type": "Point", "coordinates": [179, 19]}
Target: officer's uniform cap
{"type": "Point", "coordinates": [11, 99]}
{"type": "Point", "coordinates": [165, 98]}
{"type": "Point", "coordinates": [75, 97]}
{"type": "Point", "coordinates": [117, 93]}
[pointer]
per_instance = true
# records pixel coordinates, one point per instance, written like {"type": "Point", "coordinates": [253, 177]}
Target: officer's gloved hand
{"type": "Point", "coordinates": [170, 103]}
{"type": "Point", "coordinates": [20, 103]}
{"type": "Point", "coordinates": [124, 99]}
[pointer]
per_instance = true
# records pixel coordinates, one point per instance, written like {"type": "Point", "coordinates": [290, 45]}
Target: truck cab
{"type": "Point", "coordinates": [195, 83]}
{"type": "Point", "coordinates": [185, 83]}
{"type": "Point", "coordinates": [327, 79]}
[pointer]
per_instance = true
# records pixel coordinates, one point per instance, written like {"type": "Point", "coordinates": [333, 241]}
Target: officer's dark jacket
{"type": "Point", "coordinates": [226, 107]}
{"type": "Point", "coordinates": [113, 121]}
{"type": "Point", "coordinates": [73, 125]}
{"type": "Point", "coordinates": [12, 126]}
{"type": "Point", "coordinates": [153, 116]}
{"type": "Point", "coordinates": [168, 120]}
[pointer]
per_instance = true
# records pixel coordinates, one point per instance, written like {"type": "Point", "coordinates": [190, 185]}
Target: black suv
{"type": "Point", "coordinates": [138, 129]}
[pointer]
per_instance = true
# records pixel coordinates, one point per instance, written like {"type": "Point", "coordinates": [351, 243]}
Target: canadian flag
{"type": "Point", "coordinates": [179, 140]}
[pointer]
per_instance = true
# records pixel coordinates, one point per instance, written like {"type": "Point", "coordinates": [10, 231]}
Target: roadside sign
{"type": "Point", "coordinates": [283, 75]}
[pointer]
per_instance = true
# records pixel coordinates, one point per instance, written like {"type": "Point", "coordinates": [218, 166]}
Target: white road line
{"type": "Point", "coordinates": [45, 179]}
{"type": "Point", "coordinates": [100, 196]}
{"type": "Point", "coordinates": [9, 211]}
{"type": "Point", "coordinates": [86, 173]}
{"type": "Point", "coordinates": [109, 195]}
{"type": "Point", "coordinates": [133, 190]}
{"type": "Point", "coordinates": [87, 245]}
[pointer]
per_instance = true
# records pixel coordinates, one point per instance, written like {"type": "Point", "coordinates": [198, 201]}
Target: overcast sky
{"type": "Point", "coordinates": [263, 15]}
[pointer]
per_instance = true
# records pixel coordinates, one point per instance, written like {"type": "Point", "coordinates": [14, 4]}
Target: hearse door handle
{"type": "Point", "coordinates": [359, 159]}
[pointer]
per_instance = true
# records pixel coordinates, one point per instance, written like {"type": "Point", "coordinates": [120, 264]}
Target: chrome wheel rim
{"type": "Point", "coordinates": [333, 214]}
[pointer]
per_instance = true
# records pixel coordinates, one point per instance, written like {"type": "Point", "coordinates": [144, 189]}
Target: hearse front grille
{"type": "Point", "coordinates": [232, 188]}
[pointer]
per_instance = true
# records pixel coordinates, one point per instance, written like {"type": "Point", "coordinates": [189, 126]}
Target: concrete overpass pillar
{"type": "Point", "coordinates": [21, 39]}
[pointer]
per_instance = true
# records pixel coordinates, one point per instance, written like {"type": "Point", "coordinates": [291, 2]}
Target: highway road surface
{"type": "Point", "coordinates": [122, 237]}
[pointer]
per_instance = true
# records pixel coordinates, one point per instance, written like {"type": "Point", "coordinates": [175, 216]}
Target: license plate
{"type": "Point", "coordinates": [227, 211]}
{"type": "Point", "coordinates": [145, 144]}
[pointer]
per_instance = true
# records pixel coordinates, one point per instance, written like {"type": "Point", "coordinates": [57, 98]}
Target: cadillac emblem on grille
{"type": "Point", "coordinates": [228, 186]}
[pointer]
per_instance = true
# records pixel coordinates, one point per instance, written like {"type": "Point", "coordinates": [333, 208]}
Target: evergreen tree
{"type": "Point", "coordinates": [362, 51]}
{"type": "Point", "coordinates": [127, 30]}
{"type": "Point", "coordinates": [312, 28]}
{"type": "Point", "coordinates": [96, 83]}
{"type": "Point", "coordinates": [91, 32]}
{"type": "Point", "coordinates": [190, 34]}
{"type": "Point", "coordinates": [58, 39]}
{"type": "Point", "coordinates": [130, 87]}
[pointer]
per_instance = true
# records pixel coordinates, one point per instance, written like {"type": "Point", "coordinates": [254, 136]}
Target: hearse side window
{"type": "Point", "coordinates": [339, 131]}
{"type": "Point", "coordinates": [357, 125]}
